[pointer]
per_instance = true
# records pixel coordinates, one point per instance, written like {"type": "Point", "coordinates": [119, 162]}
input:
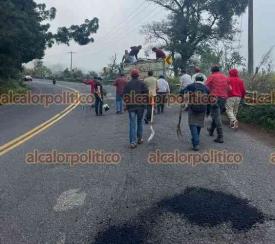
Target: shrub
{"type": "Point", "coordinates": [263, 116]}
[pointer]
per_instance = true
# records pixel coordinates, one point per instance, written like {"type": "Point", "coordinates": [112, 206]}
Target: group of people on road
{"type": "Point", "coordinates": [228, 93]}
{"type": "Point", "coordinates": [151, 95]}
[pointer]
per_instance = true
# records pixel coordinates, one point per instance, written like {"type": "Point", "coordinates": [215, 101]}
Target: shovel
{"type": "Point", "coordinates": [153, 133]}
{"type": "Point", "coordinates": [179, 132]}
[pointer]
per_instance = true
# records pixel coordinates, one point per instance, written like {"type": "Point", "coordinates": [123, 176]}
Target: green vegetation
{"type": "Point", "coordinates": [194, 25]}
{"type": "Point", "coordinates": [74, 76]}
{"type": "Point", "coordinates": [174, 85]}
{"type": "Point", "coordinates": [25, 34]}
{"type": "Point", "coordinates": [263, 83]}
{"type": "Point", "coordinates": [263, 116]}
{"type": "Point", "coordinates": [15, 86]}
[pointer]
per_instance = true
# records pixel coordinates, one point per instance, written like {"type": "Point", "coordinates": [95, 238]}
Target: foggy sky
{"type": "Point", "coordinates": [120, 22]}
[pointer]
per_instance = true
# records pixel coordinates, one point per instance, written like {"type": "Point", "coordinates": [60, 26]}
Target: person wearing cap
{"type": "Point", "coordinates": [99, 96]}
{"type": "Point", "coordinates": [120, 84]}
{"type": "Point", "coordinates": [135, 96]}
{"type": "Point", "coordinates": [219, 87]}
{"type": "Point", "coordinates": [198, 73]}
{"type": "Point", "coordinates": [196, 110]}
{"type": "Point", "coordinates": [151, 83]}
{"type": "Point", "coordinates": [163, 89]}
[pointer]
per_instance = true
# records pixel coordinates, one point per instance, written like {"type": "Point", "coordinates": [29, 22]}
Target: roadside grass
{"type": "Point", "coordinates": [260, 115]}
{"type": "Point", "coordinates": [17, 87]}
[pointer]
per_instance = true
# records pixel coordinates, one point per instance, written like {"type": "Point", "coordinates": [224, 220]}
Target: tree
{"type": "Point", "coordinates": [224, 54]}
{"type": "Point", "coordinates": [194, 23]}
{"type": "Point", "coordinates": [113, 70]}
{"type": "Point", "coordinates": [25, 33]}
{"type": "Point", "coordinates": [40, 70]}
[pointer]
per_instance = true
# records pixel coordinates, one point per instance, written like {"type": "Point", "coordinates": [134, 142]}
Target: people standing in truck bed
{"type": "Point", "coordinates": [134, 53]}
{"type": "Point", "coordinates": [159, 53]}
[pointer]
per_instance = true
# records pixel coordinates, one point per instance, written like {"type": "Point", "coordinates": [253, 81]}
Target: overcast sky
{"type": "Point", "coordinates": [120, 22]}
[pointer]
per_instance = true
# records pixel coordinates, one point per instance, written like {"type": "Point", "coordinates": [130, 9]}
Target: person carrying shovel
{"type": "Point", "coordinates": [151, 82]}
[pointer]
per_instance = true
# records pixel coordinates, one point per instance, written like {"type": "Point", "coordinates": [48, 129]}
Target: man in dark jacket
{"type": "Point", "coordinates": [135, 51]}
{"type": "Point", "coordinates": [196, 109]}
{"type": "Point", "coordinates": [98, 96]}
{"type": "Point", "coordinates": [136, 98]}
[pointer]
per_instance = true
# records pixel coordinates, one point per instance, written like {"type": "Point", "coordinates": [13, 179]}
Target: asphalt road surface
{"type": "Point", "coordinates": [133, 201]}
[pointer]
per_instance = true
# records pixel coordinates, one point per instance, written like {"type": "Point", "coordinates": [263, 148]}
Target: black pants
{"type": "Point", "coordinates": [161, 101]}
{"type": "Point", "coordinates": [216, 112]}
{"type": "Point", "coordinates": [149, 113]}
{"type": "Point", "coordinates": [98, 105]}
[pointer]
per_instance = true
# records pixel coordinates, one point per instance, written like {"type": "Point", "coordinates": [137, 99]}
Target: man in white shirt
{"type": "Point", "coordinates": [163, 89]}
{"type": "Point", "coordinates": [185, 80]}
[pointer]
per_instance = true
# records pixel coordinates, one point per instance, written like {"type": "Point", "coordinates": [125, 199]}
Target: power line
{"type": "Point", "coordinates": [125, 34]}
{"type": "Point", "coordinates": [130, 17]}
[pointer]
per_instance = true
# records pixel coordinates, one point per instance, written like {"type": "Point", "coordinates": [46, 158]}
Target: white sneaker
{"type": "Point", "coordinates": [236, 124]}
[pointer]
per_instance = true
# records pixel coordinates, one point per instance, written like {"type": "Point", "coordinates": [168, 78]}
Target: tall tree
{"type": "Point", "coordinates": [194, 23]}
{"type": "Point", "coordinates": [24, 33]}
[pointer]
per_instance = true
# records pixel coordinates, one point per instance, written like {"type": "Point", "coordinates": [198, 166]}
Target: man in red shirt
{"type": "Point", "coordinates": [219, 87]}
{"type": "Point", "coordinates": [236, 94]}
{"type": "Point", "coordinates": [92, 84]}
{"type": "Point", "coordinates": [159, 53]}
{"type": "Point", "coordinates": [120, 84]}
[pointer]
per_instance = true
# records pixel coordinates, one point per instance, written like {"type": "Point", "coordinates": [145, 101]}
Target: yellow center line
{"type": "Point", "coordinates": [37, 130]}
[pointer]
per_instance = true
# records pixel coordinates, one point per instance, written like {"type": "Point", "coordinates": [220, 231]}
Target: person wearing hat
{"type": "Point", "coordinates": [196, 110]}
{"type": "Point", "coordinates": [198, 73]}
{"type": "Point", "coordinates": [219, 87]}
{"type": "Point", "coordinates": [98, 96]}
{"type": "Point", "coordinates": [135, 96]}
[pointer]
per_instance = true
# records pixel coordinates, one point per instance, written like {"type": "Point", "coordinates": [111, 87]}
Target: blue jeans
{"type": "Point", "coordinates": [119, 104]}
{"type": "Point", "coordinates": [135, 125]}
{"type": "Point", "coordinates": [195, 132]}
{"type": "Point", "coordinates": [98, 105]}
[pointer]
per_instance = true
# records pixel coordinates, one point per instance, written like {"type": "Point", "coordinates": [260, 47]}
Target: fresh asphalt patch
{"type": "Point", "coordinates": [201, 207]}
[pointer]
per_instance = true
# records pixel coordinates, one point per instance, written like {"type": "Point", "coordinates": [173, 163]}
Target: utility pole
{"type": "Point", "coordinates": [71, 59]}
{"type": "Point", "coordinates": [250, 37]}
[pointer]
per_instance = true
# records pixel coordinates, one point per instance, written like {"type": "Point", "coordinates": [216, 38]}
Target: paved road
{"type": "Point", "coordinates": [132, 202]}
